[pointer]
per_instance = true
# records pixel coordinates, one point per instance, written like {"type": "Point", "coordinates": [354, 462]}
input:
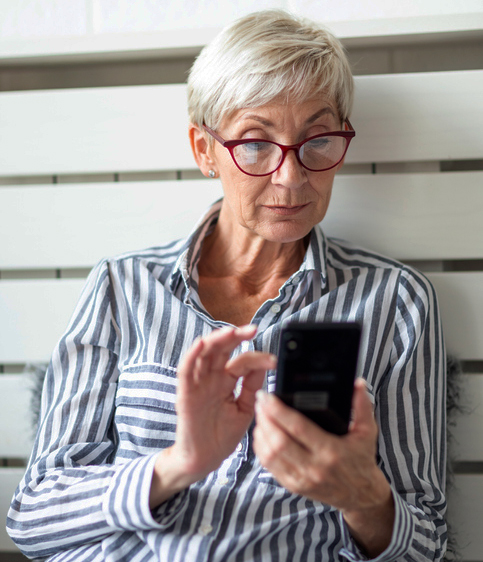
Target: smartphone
{"type": "Point", "coordinates": [317, 365]}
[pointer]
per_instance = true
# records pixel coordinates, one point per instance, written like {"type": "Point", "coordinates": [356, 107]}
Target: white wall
{"type": "Point", "coordinates": [22, 19]}
{"type": "Point", "coordinates": [70, 27]}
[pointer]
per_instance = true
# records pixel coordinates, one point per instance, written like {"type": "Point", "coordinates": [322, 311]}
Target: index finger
{"type": "Point", "coordinates": [294, 423]}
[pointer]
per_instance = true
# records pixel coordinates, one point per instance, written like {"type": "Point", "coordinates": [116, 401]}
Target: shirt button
{"type": "Point", "coordinates": [296, 280]}
{"type": "Point", "coordinates": [206, 529]}
{"type": "Point", "coordinates": [223, 481]}
{"type": "Point", "coordinates": [275, 308]}
{"type": "Point", "coordinates": [239, 447]}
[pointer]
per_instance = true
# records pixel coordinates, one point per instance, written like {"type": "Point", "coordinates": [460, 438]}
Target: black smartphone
{"type": "Point", "coordinates": [317, 364]}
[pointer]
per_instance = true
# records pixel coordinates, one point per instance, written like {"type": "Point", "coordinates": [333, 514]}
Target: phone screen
{"type": "Point", "coordinates": [316, 370]}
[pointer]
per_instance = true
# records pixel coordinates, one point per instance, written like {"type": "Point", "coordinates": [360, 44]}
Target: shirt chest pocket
{"type": "Point", "coordinates": [145, 415]}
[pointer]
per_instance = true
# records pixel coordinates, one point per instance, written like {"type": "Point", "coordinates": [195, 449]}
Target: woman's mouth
{"type": "Point", "coordinates": [286, 210]}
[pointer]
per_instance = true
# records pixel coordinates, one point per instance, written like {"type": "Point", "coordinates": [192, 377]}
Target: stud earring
{"type": "Point", "coordinates": [212, 174]}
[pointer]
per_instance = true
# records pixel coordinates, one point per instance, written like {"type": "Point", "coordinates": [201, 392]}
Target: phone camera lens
{"type": "Point", "coordinates": [292, 345]}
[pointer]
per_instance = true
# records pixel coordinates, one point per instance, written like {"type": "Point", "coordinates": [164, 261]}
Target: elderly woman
{"type": "Point", "coordinates": [147, 447]}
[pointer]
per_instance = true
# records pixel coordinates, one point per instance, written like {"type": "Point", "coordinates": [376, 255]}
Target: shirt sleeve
{"type": "Point", "coordinates": [72, 494]}
{"type": "Point", "coordinates": [410, 399]}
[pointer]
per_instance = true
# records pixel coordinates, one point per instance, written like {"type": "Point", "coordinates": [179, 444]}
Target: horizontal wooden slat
{"type": "Point", "coordinates": [467, 435]}
{"type": "Point", "coordinates": [465, 514]}
{"type": "Point", "coordinates": [406, 117]}
{"type": "Point", "coordinates": [76, 225]}
{"type": "Point", "coordinates": [461, 298]}
{"type": "Point", "coordinates": [398, 117]}
{"type": "Point", "coordinates": [410, 216]}
{"type": "Point", "coordinates": [407, 216]}
{"type": "Point", "coordinates": [94, 130]}
{"type": "Point", "coordinates": [9, 480]}
{"type": "Point", "coordinates": [33, 316]}
{"type": "Point", "coordinates": [16, 434]}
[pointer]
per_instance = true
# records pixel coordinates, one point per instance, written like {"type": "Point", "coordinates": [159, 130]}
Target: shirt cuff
{"type": "Point", "coordinates": [126, 505]}
{"type": "Point", "coordinates": [401, 539]}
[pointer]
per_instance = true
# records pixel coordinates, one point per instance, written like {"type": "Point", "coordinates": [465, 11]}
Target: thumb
{"type": "Point", "coordinates": [362, 409]}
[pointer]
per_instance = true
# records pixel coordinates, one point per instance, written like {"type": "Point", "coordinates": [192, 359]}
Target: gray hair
{"type": "Point", "coordinates": [263, 57]}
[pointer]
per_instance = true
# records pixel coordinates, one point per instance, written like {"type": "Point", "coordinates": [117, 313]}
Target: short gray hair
{"type": "Point", "coordinates": [263, 57]}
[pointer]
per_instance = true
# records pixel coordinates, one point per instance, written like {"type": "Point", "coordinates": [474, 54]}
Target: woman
{"type": "Point", "coordinates": [146, 448]}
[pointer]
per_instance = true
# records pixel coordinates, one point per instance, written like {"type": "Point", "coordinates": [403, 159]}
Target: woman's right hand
{"type": "Point", "coordinates": [211, 419]}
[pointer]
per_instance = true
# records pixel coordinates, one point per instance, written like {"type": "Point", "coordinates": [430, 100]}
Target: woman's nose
{"type": "Point", "coordinates": [291, 173]}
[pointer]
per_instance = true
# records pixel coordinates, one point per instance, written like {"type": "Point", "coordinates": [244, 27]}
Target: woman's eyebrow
{"type": "Point", "coordinates": [324, 111]}
{"type": "Point", "coordinates": [267, 123]}
{"type": "Point", "coordinates": [258, 118]}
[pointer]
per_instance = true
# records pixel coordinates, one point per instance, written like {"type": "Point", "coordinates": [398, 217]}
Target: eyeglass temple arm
{"type": "Point", "coordinates": [351, 128]}
{"type": "Point", "coordinates": [216, 136]}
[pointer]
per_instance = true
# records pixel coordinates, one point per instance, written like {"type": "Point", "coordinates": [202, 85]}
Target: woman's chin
{"type": "Point", "coordinates": [284, 232]}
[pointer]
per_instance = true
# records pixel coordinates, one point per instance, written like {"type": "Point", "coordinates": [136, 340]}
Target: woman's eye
{"type": "Point", "coordinates": [251, 147]}
{"type": "Point", "coordinates": [318, 143]}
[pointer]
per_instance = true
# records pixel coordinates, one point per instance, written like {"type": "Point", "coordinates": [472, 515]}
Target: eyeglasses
{"type": "Point", "coordinates": [260, 157]}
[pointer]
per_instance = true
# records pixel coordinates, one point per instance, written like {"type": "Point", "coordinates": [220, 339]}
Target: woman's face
{"type": "Point", "coordinates": [283, 206]}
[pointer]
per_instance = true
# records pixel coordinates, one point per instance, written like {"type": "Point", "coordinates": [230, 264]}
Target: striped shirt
{"type": "Point", "coordinates": [108, 407]}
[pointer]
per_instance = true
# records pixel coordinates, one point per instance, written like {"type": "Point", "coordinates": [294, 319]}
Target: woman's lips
{"type": "Point", "coordinates": [286, 210]}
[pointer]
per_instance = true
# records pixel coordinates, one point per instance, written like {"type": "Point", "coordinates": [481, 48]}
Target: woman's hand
{"type": "Point", "coordinates": [211, 420]}
{"type": "Point", "coordinates": [338, 471]}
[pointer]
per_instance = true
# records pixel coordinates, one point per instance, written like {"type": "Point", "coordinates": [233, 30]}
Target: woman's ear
{"type": "Point", "coordinates": [201, 149]}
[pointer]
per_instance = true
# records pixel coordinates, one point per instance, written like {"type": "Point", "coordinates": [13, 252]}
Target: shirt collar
{"type": "Point", "coordinates": [315, 259]}
{"type": "Point", "coordinates": [190, 252]}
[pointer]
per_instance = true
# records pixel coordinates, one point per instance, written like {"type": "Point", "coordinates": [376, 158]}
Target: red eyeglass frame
{"type": "Point", "coordinates": [231, 144]}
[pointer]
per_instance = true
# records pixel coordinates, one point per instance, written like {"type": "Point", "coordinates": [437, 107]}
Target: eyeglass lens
{"type": "Point", "coordinates": [316, 154]}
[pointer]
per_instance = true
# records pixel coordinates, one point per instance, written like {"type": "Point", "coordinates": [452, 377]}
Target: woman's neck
{"type": "Point", "coordinates": [249, 259]}
{"type": "Point", "coordinates": [239, 271]}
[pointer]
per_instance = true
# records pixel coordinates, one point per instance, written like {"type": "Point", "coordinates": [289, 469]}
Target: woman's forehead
{"type": "Point", "coordinates": [270, 114]}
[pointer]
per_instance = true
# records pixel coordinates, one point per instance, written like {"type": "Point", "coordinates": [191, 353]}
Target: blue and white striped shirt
{"type": "Point", "coordinates": [108, 407]}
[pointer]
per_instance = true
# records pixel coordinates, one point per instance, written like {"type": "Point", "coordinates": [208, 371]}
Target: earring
{"type": "Point", "coordinates": [212, 174]}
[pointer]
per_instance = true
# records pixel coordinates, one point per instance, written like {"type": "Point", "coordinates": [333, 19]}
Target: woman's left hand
{"type": "Point", "coordinates": [340, 471]}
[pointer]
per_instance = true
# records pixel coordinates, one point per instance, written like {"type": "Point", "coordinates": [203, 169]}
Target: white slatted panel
{"type": "Point", "coordinates": [33, 316]}
{"type": "Point", "coordinates": [409, 216]}
{"type": "Point", "coordinates": [137, 127]}
{"type": "Point", "coordinates": [461, 299]}
{"type": "Point", "coordinates": [96, 220]}
{"type": "Point", "coordinates": [398, 118]}
{"type": "Point", "coordinates": [94, 130]}
{"type": "Point", "coordinates": [16, 433]}
{"type": "Point", "coordinates": [414, 117]}
{"type": "Point", "coordinates": [465, 513]}
{"type": "Point", "coordinates": [467, 444]}
{"type": "Point", "coordinates": [9, 479]}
